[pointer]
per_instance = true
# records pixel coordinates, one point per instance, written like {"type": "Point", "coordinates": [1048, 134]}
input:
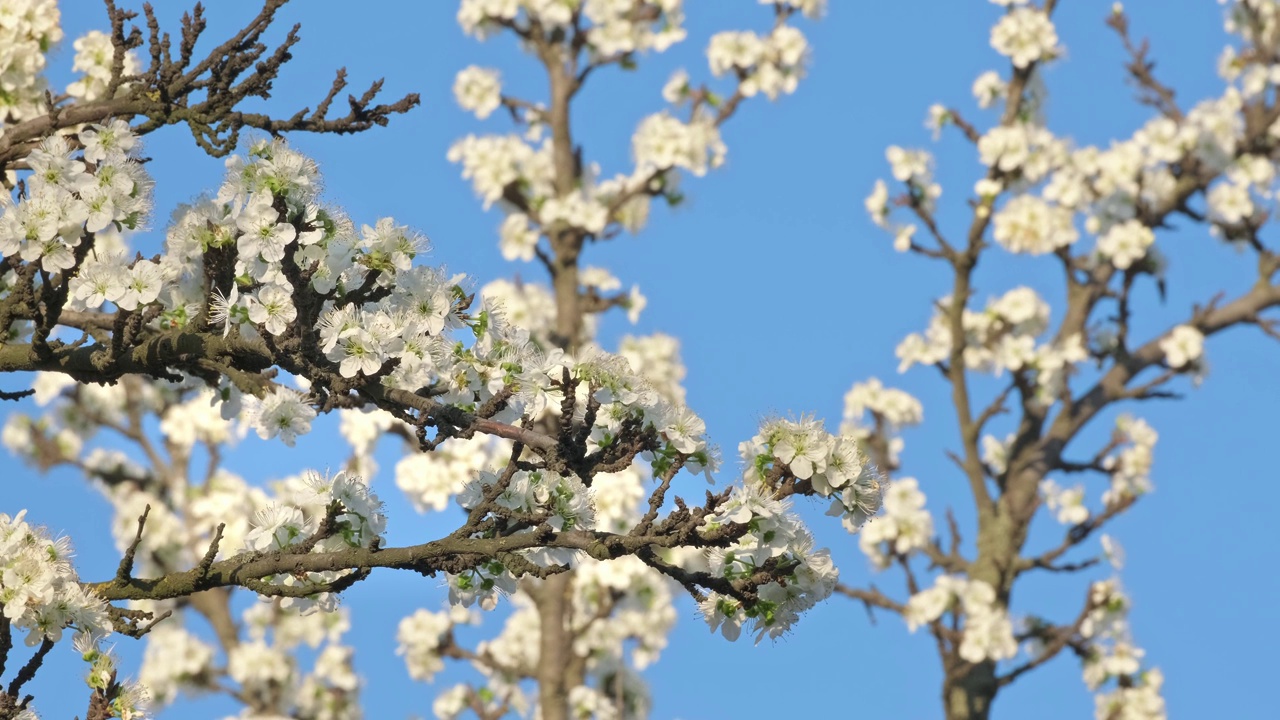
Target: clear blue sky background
{"type": "Point", "coordinates": [783, 294]}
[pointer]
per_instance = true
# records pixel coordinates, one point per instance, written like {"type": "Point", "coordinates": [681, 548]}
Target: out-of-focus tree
{"type": "Point", "coordinates": [1025, 390]}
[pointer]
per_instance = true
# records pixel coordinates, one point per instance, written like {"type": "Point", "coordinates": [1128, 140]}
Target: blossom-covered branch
{"type": "Point", "coordinates": [269, 306]}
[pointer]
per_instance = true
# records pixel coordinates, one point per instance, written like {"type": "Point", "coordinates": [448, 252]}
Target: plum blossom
{"type": "Point", "coordinates": [1126, 243]}
{"type": "Point", "coordinates": [1029, 225]}
{"type": "Point", "coordinates": [478, 90]}
{"type": "Point", "coordinates": [1183, 346]}
{"type": "Point", "coordinates": [285, 414]}
{"type": "Point", "coordinates": [1025, 35]}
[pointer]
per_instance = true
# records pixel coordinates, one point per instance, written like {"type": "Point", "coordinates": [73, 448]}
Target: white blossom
{"type": "Point", "coordinates": [1025, 35]}
{"type": "Point", "coordinates": [1183, 346]}
{"type": "Point", "coordinates": [478, 90]}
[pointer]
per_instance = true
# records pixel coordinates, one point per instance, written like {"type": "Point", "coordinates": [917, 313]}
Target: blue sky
{"type": "Point", "coordinates": [783, 294]}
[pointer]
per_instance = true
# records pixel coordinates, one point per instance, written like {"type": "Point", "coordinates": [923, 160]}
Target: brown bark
{"type": "Point", "coordinates": [969, 691]}
{"type": "Point", "coordinates": [556, 647]}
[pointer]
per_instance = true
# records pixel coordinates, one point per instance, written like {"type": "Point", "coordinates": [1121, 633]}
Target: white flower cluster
{"type": "Point", "coordinates": [1024, 150]}
{"type": "Point", "coordinates": [562, 501]}
{"type": "Point", "coordinates": [1105, 183]}
{"type": "Point", "coordinates": [39, 589]}
{"type": "Point", "coordinates": [1025, 35]}
{"type": "Point", "coordinates": [833, 465]}
{"type": "Point", "coordinates": [1130, 467]}
{"type": "Point", "coordinates": [772, 65]}
{"type": "Point", "coordinates": [359, 522]}
{"type": "Point", "coordinates": [1183, 347]}
{"type": "Point", "coordinates": [492, 162]}
{"type": "Point", "coordinates": [625, 688]}
{"type": "Point", "coordinates": [895, 407]}
{"type": "Point", "coordinates": [877, 204]}
{"type": "Point", "coordinates": [776, 537]}
{"type": "Point", "coordinates": [657, 358]}
{"type": "Point", "coordinates": [420, 636]}
{"type": "Point", "coordinates": [70, 193]}
{"type": "Point", "coordinates": [518, 648]}
{"type": "Point", "coordinates": [1001, 337]}
{"type": "Point", "coordinates": [457, 700]}
{"type": "Point", "coordinates": [94, 57]}
{"type": "Point", "coordinates": [914, 168]}
{"type": "Point", "coordinates": [906, 525]}
{"type": "Point", "coordinates": [632, 213]}
{"type": "Point", "coordinates": [290, 629]}
{"type": "Point", "coordinates": [282, 413]}
{"type": "Point", "coordinates": [408, 326]}
{"type": "Point", "coordinates": [598, 278]}
{"type": "Point", "coordinates": [483, 583]}
{"type": "Point", "coordinates": [266, 665]}
{"type": "Point", "coordinates": [28, 29]}
{"type": "Point", "coordinates": [1230, 203]}
{"type": "Point", "coordinates": [834, 468]}
{"type": "Point", "coordinates": [177, 533]}
{"type": "Point", "coordinates": [937, 118]}
{"type": "Point", "coordinates": [1110, 185]}
{"type": "Point", "coordinates": [1126, 243]}
{"type": "Point", "coordinates": [20, 433]}
{"type": "Point", "coordinates": [624, 393]}
{"type": "Point", "coordinates": [617, 497]}
{"type": "Point", "coordinates": [362, 428]}
{"type": "Point", "coordinates": [198, 419]}
{"type": "Point", "coordinates": [617, 608]}
{"type": "Point", "coordinates": [1140, 700]}
{"type": "Point", "coordinates": [526, 305]}
{"type": "Point", "coordinates": [995, 453]}
{"type": "Point", "coordinates": [614, 27]}
{"type": "Point", "coordinates": [621, 27]}
{"type": "Point", "coordinates": [178, 527]}
{"type": "Point", "coordinates": [639, 605]}
{"type": "Point", "coordinates": [576, 209]}
{"type": "Point", "coordinates": [662, 142]}
{"type": "Point", "coordinates": [177, 537]}
{"type": "Point", "coordinates": [431, 480]}
{"type": "Point", "coordinates": [587, 208]}
{"type": "Point", "coordinates": [330, 689]}
{"type": "Point", "coordinates": [1066, 503]}
{"type": "Point", "coordinates": [175, 660]}
{"type": "Point", "coordinates": [1113, 656]}
{"type": "Point", "coordinates": [1028, 224]}
{"type": "Point", "coordinates": [268, 210]}
{"type": "Point", "coordinates": [1256, 21]}
{"type": "Point", "coordinates": [517, 239]}
{"type": "Point", "coordinates": [40, 592]}
{"type": "Point", "coordinates": [478, 90]}
{"type": "Point", "coordinates": [988, 88]}
{"type": "Point", "coordinates": [891, 409]}
{"type": "Point", "coordinates": [988, 632]}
